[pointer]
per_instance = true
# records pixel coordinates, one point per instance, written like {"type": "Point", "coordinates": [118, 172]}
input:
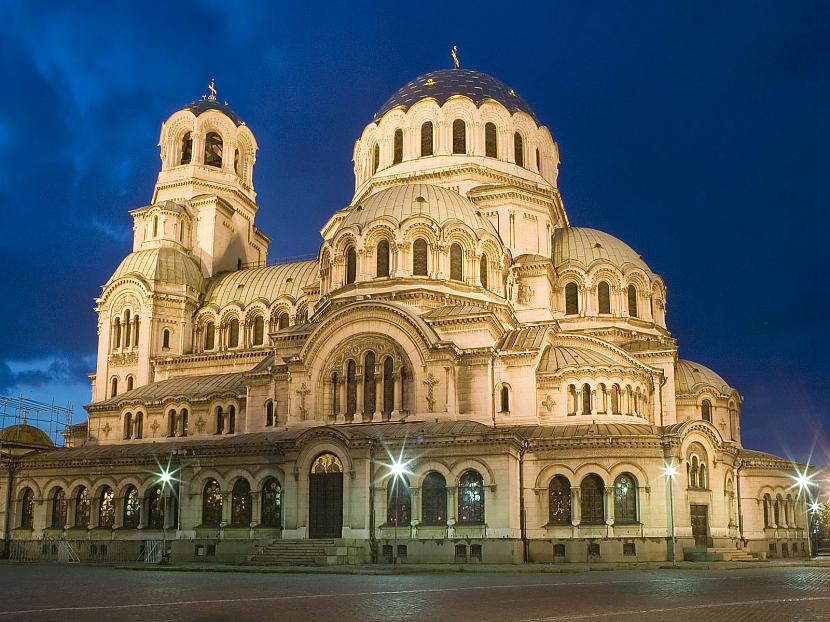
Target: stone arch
{"type": "Point", "coordinates": [468, 463]}
{"type": "Point", "coordinates": [549, 471]}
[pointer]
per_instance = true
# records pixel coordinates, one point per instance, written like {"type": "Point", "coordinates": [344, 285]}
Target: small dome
{"type": "Point", "coordinates": [25, 435]}
{"type": "Point", "coordinates": [690, 376]}
{"type": "Point", "coordinates": [443, 84]}
{"type": "Point", "coordinates": [165, 264]}
{"type": "Point", "coordinates": [200, 106]}
{"type": "Point", "coordinates": [269, 283]}
{"type": "Point", "coordinates": [568, 357]}
{"type": "Point", "coordinates": [583, 247]}
{"type": "Point", "coordinates": [399, 203]}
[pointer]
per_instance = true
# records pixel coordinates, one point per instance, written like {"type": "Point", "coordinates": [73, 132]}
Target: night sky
{"type": "Point", "coordinates": [696, 132]}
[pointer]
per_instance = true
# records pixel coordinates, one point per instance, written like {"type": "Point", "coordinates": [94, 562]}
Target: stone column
{"type": "Point", "coordinates": [358, 379]}
{"type": "Point", "coordinates": [576, 508]}
{"type": "Point", "coordinates": [609, 505]}
{"type": "Point", "coordinates": [398, 394]}
{"type": "Point", "coordinates": [378, 414]}
{"type": "Point", "coordinates": [256, 512]}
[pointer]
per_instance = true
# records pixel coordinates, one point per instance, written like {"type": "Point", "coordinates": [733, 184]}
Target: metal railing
{"type": "Point", "coordinates": [74, 551]}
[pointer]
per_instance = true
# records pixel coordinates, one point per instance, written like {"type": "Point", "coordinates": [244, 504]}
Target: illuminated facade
{"type": "Point", "coordinates": [520, 367]}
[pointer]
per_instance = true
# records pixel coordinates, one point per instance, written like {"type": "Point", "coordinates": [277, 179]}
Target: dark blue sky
{"type": "Point", "coordinates": [696, 132]}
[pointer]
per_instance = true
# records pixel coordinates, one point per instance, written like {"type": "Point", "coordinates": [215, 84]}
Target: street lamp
{"type": "Point", "coordinates": [396, 471]}
{"type": "Point", "coordinates": [669, 471]}
{"type": "Point", "coordinates": [165, 478]}
{"type": "Point", "coordinates": [803, 481]}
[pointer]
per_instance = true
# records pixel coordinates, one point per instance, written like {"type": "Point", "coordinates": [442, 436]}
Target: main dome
{"type": "Point", "coordinates": [405, 201]}
{"type": "Point", "coordinates": [443, 84]}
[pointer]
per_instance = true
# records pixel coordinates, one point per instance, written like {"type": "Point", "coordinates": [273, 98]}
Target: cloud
{"type": "Point", "coordinates": [38, 373]}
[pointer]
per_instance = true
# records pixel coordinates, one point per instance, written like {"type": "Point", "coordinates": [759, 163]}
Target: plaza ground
{"type": "Point", "coordinates": [61, 592]}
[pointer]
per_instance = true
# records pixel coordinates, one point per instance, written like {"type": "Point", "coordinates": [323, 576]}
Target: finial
{"type": "Point", "coordinates": [212, 89]}
{"type": "Point", "coordinates": [454, 55]}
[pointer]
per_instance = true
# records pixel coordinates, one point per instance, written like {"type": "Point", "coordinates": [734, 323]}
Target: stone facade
{"type": "Point", "coordinates": [459, 372]}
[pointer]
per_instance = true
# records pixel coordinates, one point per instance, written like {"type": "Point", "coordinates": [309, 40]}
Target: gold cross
{"type": "Point", "coordinates": [212, 89]}
{"type": "Point", "coordinates": [454, 55]}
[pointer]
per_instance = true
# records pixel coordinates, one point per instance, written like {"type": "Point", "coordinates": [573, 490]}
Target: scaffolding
{"type": "Point", "coordinates": [52, 419]}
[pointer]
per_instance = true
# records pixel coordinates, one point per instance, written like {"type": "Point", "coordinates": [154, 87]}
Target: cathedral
{"type": "Point", "coordinates": [457, 374]}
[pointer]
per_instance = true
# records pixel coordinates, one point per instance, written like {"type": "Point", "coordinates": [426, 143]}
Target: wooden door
{"type": "Point", "coordinates": [325, 505]}
{"type": "Point", "coordinates": [700, 524]}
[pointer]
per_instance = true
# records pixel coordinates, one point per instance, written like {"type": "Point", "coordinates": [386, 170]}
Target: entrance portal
{"type": "Point", "coordinates": [700, 524]}
{"type": "Point", "coordinates": [325, 497]}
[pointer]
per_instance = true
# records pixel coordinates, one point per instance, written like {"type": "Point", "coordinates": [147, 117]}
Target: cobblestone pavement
{"type": "Point", "coordinates": [44, 592]}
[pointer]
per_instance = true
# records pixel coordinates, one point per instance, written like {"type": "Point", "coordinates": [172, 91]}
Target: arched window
{"type": "Point", "coordinates": [592, 506]}
{"type": "Point", "coordinates": [419, 257]}
{"type": "Point", "coordinates": [375, 158]}
{"type": "Point", "coordinates": [138, 425]}
{"type": "Point", "coordinates": [538, 161]}
{"type": "Point", "coordinates": [82, 508]}
{"type": "Point", "coordinates": [397, 147]}
{"type": "Point", "coordinates": [233, 333]}
{"type": "Point", "coordinates": [351, 265]}
{"type": "Point", "coordinates": [231, 419]}
{"type": "Point", "coordinates": [27, 509]}
{"type": "Point", "coordinates": [482, 270]}
{"type": "Point", "coordinates": [434, 499]}
{"type": "Point", "coordinates": [130, 382]}
{"type": "Point", "coordinates": [586, 399]}
{"type": "Point", "coordinates": [382, 263]}
{"type": "Point", "coordinates": [559, 501]}
{"type": "Point", "coordinates": [213, 150]}
{"type": "Point", "coordinates": [165, 338]}
{"type": "Point", "coordinates": [211, 504]}
{"type": "Point", "coordinates": [388, 385]}
{"type": "Point", "coordinates": [106, 508]}
{"type": "Point", "coordinates": [351, 389]}
{"type": "Point", "coordinates": [236, 168]}
{"type": "Point", "coordinates": [490, 140]}
{"type": "Point", "coordinates": [459, 136]}
{"type": "Point", "coordinates": [456, 262]}
{"type": "Point", "coordinates": [59, 507]}
{"type": "Point", "coordinates": [706, 410]}
{"type": "Point", "coordinates": [210, 330]}
{"type": "Point", "coordinates": [519, 149]}
{"type": "Point", "coordinates": [398, 503]}
{"type": "Point", "coordinates": [615, 400]}
{"type": "Point", "coordinates": [187, 148]}
{"type": "Point", "coordinates": [269, 413]}
{"type": "Point", "coordinates": [127, 327]}
{"type": "Point", "coordinates": [132, 508]}
{"type": "Point", "coordinates": [154, 502]}
{"type": "Point", "coordinates": [767, 504]}
{"type": "Point", "coordinates": [369, 385]}
{"type": "Point", "coordinates": [426, 139]}
{"type": "Point", "coordinates": [136, 322]}
{"type": "Point", "coordinates": [116, 333]}
{"type": "Point", "coordinates": [632, 301]}
{"type": "Point", "coordinates": [283, 321]}
{"type": "Point", "coordinates": [114, 386]}
{"type": "Point", "coordinates": [471, 498]}
{"type": "Point", "coordinates": [505, 398]}
{"type": "Point", "coordinates": [335, 395]}
{"type": "Point", "coordinates": [155, 226]}
{"type": "Point", "coordinates": [604, 297]}
{"type": "Point", "coordinates": [128, 426]}
{"type": "Point", "coordinates": [220, 420]}
{"type": "Point", "coordinates": [571, 299]}
{"type": "Point", "coordinates": [259, 330]}
{"type": "Point", "coordinates": [625, 499]}
{"type": "Point", "coordinates": [271, 504]}
{"type": "Point", "coordinates": [241, 503]}
{"type": "Point", "coordinates": [776, 511]}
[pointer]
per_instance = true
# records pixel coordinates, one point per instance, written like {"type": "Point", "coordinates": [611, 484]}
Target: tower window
{"type": "Point", "coordinates": [129, 383]}
{"type": "Point", "coordinates": [187, 148]}
{"type": "Point", "coordinates": [236, 162]}
{"type": "Point", "coordinates": [259, 330]}
{"type": "Point", "coordinates": [519, 149]}
{"type": "Point", "coordinates": [114, 386]}
{"type": "Point", "coordinates": [397, 147]}
{"type": "Point", "coordinates": [165, 339]}
{"type": "Point", "coordinates": [426, 139]}
{"type": "Point", "coordinates": [604, 297]}
{"type": "Point", "coordinates": [706, 410]}
{"type": "Point", "coordinates": [571, 299]}
{"type": "Point", "coordinates": [283, 321]}
{"type": "Point", "coordinates": [456, 263]}
{"type": "Point", "coordinates": [538, 161]}
{"type": "Point", "coordinates": [459, 136]}
{"type": "Point", "coordinates": [233, 333]}
{"type": "Point", "coordinates": [419, 257]}
{"type": "Point", "coordinates": [209, 335]}
{"type": "Point", "coordinates": [351, 265]}
{"type": "Point", "coordinates": [505, 398]}
{"type": "Point", "coordinates": [383, 258]}
{"type": "Point", "coordinates": [482, 271]}
{"type": "Point", "coordinates": [632, 301]}
{"type": "Point", "coordinates": [213, 150]}
{"type": "Point", "coordinates": [490, 141]}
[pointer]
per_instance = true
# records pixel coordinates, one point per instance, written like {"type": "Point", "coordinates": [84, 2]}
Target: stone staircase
{"type": "Point", "coordinates": [718, 554]}
{"type": "Point", "coordinates": [307, 553]}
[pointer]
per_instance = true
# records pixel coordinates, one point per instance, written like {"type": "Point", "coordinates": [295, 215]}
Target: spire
{"type": "Point", "coordinates": [454, 54]}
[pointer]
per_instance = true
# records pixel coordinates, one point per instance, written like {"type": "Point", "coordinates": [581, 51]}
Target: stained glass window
{"type": "Point", "coordinates": [272, 504]}
{"type": "Point", "coordinates": [241, 503]}
{"type": "Point", "coordinates": [490, 141]}
{"type": "Point", "coordinates": [471, 498]}
{"type": "Point", "coordinates": [82, 508]}
{"type": "Point", "coordinates": [604, 297]}
{"type": "Point", "coordinates": [559, 501]}
{"type": "Point", "coordinates": [106, 508]}
{"type": "Point", "coordinates": [27, 509]}
{"type": "Point", "coordinates": [398, 505]}
{"type": "Point", "coordinates": [456, 263]}
{"type": "Point", "coordinates": [434, 499]}
{"type": "Point", "coordinates": [459, 136]}
{"type": "Point", "coordinates": [592, 506]}
{"type": "Point", "coordinates": [154, 502]}
{"type": "Point", "coordinates": [419, 257]}
{"type": "Point", "coordinates": [397, 149]}
{"type": "Point", "coordinates": [327, 463]}
{"type": "Point", "coordinates": [59, 507]}
{"type": "Point", "coordinates": [132, 508]}
{"type": "Point", "coordinates": [625, 499]}
{"type": "Point", "coordinates": [212, 504]}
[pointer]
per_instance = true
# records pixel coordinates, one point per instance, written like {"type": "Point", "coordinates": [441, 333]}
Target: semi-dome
{"type": "Point", "coordinates": [443, 84]}
{"type": "Point", "coordinates": [690, 376]}
{"type": "Point", "coordinates": [201, 106]}
{"type": "Point", "coordinates": [405, 201]}
{"type": "Point", "coordinates": [164, 264]}
{"type": "Point", "coordinates": [582, 246]}
{"type": "Point", "coordinates": [25, 435]}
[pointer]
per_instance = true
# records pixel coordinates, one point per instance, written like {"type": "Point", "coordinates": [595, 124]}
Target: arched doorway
{"type": "Point", "coordinates": [325, 497]}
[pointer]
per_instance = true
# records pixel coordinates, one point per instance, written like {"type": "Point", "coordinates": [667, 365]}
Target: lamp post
{"type": "Point", "coordinates": [670, 470]}
{"type": "Point", "coordinates": [165, 478]}
{"type": "Point", "coordinates": [803, 481]}
{"type": "Point", "coordinates": [814, 508]}
{"type": "Point", "coordinates": [396, 470]}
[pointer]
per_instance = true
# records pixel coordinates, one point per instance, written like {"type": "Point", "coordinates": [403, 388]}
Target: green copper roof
{"type": "Point", "coordinates": [26, 435]}
{"type": "Point", "coordinates": [583, 247]}
{"type": "Point", "coordinates": [400, 203]}
{"type": "Point", "coordinates": [269, 283]}
{"type": "Point", "coordinates": [561, 357]}
{"type": "Point", "coordinates": [690, 376]}
{"type": "Point", "coordinates": [192, 388]}
{"type": "Point", "coordinates": [168, 265]}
